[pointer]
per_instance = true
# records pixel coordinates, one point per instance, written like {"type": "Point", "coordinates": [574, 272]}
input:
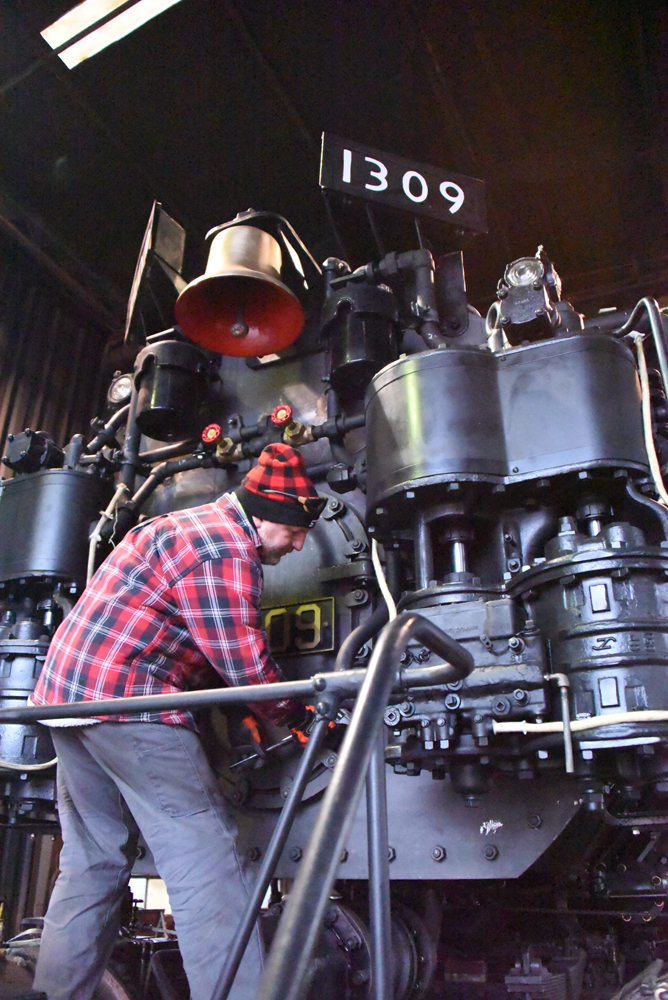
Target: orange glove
{"type": "Point", "coordinates": [250, 722]}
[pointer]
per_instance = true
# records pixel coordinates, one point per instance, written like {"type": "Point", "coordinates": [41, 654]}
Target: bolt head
{"type": "Point", "coordinates": [491, 852]}
{"type": "Point", "coordinates": [438, 853]}
{"type": "Point", "coordinates": [296, 854]}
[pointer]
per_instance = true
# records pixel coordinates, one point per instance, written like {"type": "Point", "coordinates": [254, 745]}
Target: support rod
{"type": "Point", "coordinates": [297, 933]}
{"type": "Point", "coordinates": [274, 850]}
{"type": "Point", "coordinates": [379, 873]}
{"type": "Point", "coordinates": [423, 552]}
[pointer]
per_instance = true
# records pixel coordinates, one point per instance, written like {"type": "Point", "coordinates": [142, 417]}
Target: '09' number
{"type": "Point", "coordinates": [414, 185]}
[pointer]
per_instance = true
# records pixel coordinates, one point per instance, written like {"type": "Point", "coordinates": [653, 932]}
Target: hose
{"type": "Point", "coordinates": [651, 307]}
{"type": "Point", "coordinates": [28, 767]}
{"type": "Point", "coordinates": [581, 725]}
{"type": "Point", "coordinates": [382, 582]}
{"type": "Point", "coordinates": [654, 466]}
{"type": "Point", "coordinates": [96, 537]}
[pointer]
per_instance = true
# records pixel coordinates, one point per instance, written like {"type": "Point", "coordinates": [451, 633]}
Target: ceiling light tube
{"type": "Point", "coordinates": [112, 30]}
{"type": "Point", "coordinates": [80, 18]}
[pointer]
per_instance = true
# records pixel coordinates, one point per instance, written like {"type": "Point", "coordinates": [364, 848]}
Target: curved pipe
{"type": "Point", "coordinates": [651, 307]}
{"type": "Point", "coordinates": [296, 936]}
{"type": "Point", "coordinates": [656, 508]}
{"type": "Point", "coordinates": [175, 450]}
{"type": "Point", "coordinates": [359, 636]}
{"type": "Point", "coordinates": [167, 469]}
{"type": "Point", "coordinates": [108, 432]}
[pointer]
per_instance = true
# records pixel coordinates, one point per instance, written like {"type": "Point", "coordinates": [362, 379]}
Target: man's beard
{"type": "Point", "coordinates": [271, 555]}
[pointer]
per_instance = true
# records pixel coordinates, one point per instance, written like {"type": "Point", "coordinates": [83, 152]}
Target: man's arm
{"type": "Point", "coordinates": [220, 604]}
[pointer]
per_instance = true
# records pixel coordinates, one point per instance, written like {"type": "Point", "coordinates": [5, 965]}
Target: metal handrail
{"type": "Point", "coordinates": [373, 687]}
{"type": "Point", "coordinates": [278, 841]}
{"type": "Point", "coordinates": [298, 930]}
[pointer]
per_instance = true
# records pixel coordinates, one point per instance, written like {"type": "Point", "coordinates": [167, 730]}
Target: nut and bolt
{"type": "Point", "coordinates": [438, 853]}
{"type": "Point", "coordinates": [423, 655]}
{"type": "Point", "coordinates": [357, 546]}
{"type": "Point", "coordinates": [656, 880]}
{"type": "Point", "coordinates": [520, 696]}
{"type": "Point", "coordinates": [534, 821]}
{"type": "Point", "coordinates": [296, 854]}
{"type": "Point", "coordinates": [254, 853]}
{"type": "Point", "coordinates": [491, 852]}
{"type": "Point", "coordinates": [440, 721]}
{"type": "Point", "coordinates": [359, 595]}
{"type": "Point", "coordinates": [452, 701]}
{"type": "Point", "coordinates": [392, 716]}
{"type": "Point", "coordinates": [515, 643]}
{"type": "Point", "coordinates": [514, 564]}
{"type": "Point", "coordinates": [391, 854]}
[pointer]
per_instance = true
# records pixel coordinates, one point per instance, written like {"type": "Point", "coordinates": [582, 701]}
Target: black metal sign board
{"type": "Point", "coordinates": [368, 173]}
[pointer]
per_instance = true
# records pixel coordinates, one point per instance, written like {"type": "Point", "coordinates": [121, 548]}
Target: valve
{"type": "Point", "coordinates": [212, 433]}
{"type": "Point", "coordinates": [281, 415]}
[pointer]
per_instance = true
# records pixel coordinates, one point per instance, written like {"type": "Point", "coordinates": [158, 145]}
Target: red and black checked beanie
{"type": "Point", "coordinates": [282, 468]}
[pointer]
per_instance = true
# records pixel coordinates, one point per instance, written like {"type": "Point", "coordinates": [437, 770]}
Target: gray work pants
{"type": "Point", "coordinates": [115, 777]}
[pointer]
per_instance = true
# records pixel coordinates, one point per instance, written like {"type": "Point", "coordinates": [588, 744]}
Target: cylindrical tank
{"type": "Point", "coordinates": [172, 380]}
{"type": "Point", "coordinates": [45, 521]}
{"type": "Point", "coordinates": [534, 411]}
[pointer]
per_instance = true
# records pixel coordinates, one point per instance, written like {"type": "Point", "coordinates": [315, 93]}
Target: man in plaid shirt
{"type": "Point", "coordinates": [175, 607]}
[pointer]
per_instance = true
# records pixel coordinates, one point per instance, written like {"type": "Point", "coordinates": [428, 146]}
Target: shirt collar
{"type": "Point", "coordinates": [230, 504]}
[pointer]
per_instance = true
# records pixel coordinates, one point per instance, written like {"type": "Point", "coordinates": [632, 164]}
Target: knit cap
{"type": "Point", "coordinates": [278, 489]}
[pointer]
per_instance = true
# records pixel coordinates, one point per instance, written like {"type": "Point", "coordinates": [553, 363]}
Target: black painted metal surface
{"type": "Point", "coordinates": [534, 411]}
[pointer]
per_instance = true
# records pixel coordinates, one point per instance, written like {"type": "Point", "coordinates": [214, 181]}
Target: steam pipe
{"type": "Point", "coordinates": [357, 638]}
{"type": "Point", "coordinates": [167, 469]}
{"type": "Point", "coordinates": [175, 450]}
{"type": "Point", "coordinates": [274, 850]}
{"type": "Point", "coordinates": [108, 432]}
{"type": "Point", "coordinates": [287, 965]}
{"type": "Point", "coordinates": [651, 307]}
{"type": "Point", "coordinates": [131, 446]}
{"type": "Point", "coordinates": [657, 508]}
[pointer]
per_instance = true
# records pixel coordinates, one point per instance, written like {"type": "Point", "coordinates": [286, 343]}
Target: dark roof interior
{"type": "Point", "coordinates": [217, 105]}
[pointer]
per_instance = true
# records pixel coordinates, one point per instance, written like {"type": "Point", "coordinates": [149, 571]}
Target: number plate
{"type": "Point", "coordinates": [297, 629]}
{"type": "Point", "coordinates": [367, 173]}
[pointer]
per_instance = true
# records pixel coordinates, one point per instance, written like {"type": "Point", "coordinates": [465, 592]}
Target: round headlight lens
{"type": "Point", "coordinates": [120, 389]}
{"type": "Point", "coordinates": [524, 271]}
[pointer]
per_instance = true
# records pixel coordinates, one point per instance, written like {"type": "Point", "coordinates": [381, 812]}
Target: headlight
{"type": "Point", "coordinates": [524, 271]}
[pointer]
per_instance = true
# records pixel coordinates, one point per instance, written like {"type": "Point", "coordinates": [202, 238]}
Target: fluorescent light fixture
{"type": "Point", "coordinates": [86, 15]}
{"type": "Point", "coordinates": [89, 14]}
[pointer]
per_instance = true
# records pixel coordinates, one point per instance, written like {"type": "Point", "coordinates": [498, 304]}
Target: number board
{"type": "Point", "coordinates": [297, 629]}
{"type": "Point", "coordinates": [382, 177]}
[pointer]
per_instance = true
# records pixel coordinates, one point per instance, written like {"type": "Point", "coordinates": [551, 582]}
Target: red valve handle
{"type": "Point", "coordinates": [212, 433]}
{"type": "Point", "coordinates": [281, 415]}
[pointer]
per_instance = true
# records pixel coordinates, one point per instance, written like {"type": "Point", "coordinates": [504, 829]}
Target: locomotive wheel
{"type": "Point", "coordinates": [414, 954]}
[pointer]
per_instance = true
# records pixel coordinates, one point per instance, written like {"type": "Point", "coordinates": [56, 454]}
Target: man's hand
{"type": "Point", "coordinates": [302, 729]}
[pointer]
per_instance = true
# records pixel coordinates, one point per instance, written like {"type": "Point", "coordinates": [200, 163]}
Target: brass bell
{"type": "Point", "coordinates": [239, 306]}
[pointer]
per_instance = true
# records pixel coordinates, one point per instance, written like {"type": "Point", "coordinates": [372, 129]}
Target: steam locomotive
{"type": "Point", "coordinates": [509, 470]}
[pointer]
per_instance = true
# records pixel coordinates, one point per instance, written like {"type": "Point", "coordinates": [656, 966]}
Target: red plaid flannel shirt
{"type": "Point", "coordinates": [179, 596]}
